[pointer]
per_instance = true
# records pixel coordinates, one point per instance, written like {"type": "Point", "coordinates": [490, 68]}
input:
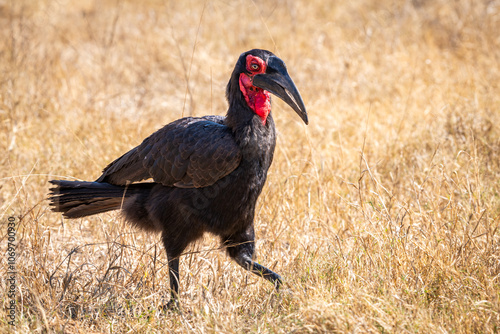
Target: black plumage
{"type": "Point", "coordinates": [207, 172]}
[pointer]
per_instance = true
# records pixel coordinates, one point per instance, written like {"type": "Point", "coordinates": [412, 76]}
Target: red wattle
{"type": "Point", "coordinates": [257, 99]}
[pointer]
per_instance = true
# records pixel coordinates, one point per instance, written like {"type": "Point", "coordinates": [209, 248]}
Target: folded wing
{"type": "Point", "coordinates": [190, 152]}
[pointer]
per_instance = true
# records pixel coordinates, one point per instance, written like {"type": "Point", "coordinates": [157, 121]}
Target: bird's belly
{"type": "Point", "coordinates": [224, 208]}
{"type": "Point", "coordinates": [228, 206]}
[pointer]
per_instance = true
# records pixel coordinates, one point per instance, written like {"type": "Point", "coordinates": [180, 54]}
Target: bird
{"type": "Point", "coordinates": [197, 175]}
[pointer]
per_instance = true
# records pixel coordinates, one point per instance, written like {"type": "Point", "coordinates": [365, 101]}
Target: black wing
{"type": "Point", "coordinates": [189, 152]}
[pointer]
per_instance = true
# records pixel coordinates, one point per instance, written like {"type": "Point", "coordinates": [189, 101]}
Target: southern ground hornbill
{"type": "Point", "coordinates": [207, 171]}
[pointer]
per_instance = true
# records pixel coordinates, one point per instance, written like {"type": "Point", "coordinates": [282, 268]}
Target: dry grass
{"type": "Point", "coordinates": [382, 215]}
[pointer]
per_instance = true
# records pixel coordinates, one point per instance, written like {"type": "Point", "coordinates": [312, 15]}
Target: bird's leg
{"type": "Point", "coordinates": [241, 247]}
{"type": "Point", "coordinates": [174, 249]}
{"type": "Point", "coordinates": [246, 262]}
{"type": "Point", "coordinates": [175, 243]}
{"type": "Point", "coordinates": [173, 276]}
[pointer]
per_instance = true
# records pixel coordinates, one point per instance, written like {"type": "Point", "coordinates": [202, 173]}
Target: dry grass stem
{"type": "Point", "coordinates": [382, 215]}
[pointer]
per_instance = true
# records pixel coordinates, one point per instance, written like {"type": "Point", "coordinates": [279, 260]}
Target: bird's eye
{"type": "Point", "coordinates": [254, 67]}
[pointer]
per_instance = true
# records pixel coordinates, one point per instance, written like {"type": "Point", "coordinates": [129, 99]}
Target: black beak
{"type": "Point", "coordinates": [277, 81]}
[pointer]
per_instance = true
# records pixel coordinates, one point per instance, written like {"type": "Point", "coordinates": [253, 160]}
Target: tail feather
{"type": "Point", "coordinates": [77, 199]}
{"type": "Point", "coordinates": [78, 209]}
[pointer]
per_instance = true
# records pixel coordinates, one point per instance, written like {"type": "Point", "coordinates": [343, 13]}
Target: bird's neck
{"type": "Point", "coordinates": [241, 118]}
{"type": "Point", "coordinates": [247, 113]}
{"type": "Point", "coordinates": [257, 99]}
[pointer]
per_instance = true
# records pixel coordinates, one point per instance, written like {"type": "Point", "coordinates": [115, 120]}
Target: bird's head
{"type": "Point", "coordinates": [258, 73]}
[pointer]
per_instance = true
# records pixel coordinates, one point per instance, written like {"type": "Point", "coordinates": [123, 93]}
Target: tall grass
{"type": "Point", "coordinates": [382, 215]}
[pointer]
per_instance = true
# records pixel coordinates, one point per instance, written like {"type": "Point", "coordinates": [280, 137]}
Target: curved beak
{"type": "Point", "coordinates": [277, 81]}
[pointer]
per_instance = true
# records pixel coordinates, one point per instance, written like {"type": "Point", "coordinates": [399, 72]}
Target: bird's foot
{"type": "Point", "coordinates": [172, 305]}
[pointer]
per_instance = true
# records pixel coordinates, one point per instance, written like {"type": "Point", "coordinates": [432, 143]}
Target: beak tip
{"type": "Point", "coordinates": [304, 117]}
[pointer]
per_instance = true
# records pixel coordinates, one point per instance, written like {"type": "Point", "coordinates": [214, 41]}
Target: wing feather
{"type": "Point", "coordinates": [190, 152]}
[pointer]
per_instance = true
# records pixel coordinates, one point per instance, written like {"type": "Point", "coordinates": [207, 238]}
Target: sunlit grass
{"type": "Point", "coordinates": [382, 215]}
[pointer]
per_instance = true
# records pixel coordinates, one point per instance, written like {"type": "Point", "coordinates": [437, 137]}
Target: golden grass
{"type": "Point", "coordinates": [382, 215]}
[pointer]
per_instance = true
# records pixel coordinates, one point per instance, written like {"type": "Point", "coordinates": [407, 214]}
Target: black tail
{"type": "Point", "coordinates": [77, 199]}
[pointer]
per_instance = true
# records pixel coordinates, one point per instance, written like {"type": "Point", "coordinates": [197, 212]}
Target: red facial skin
{"type": "Point", "coordinates": [257, 99]}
